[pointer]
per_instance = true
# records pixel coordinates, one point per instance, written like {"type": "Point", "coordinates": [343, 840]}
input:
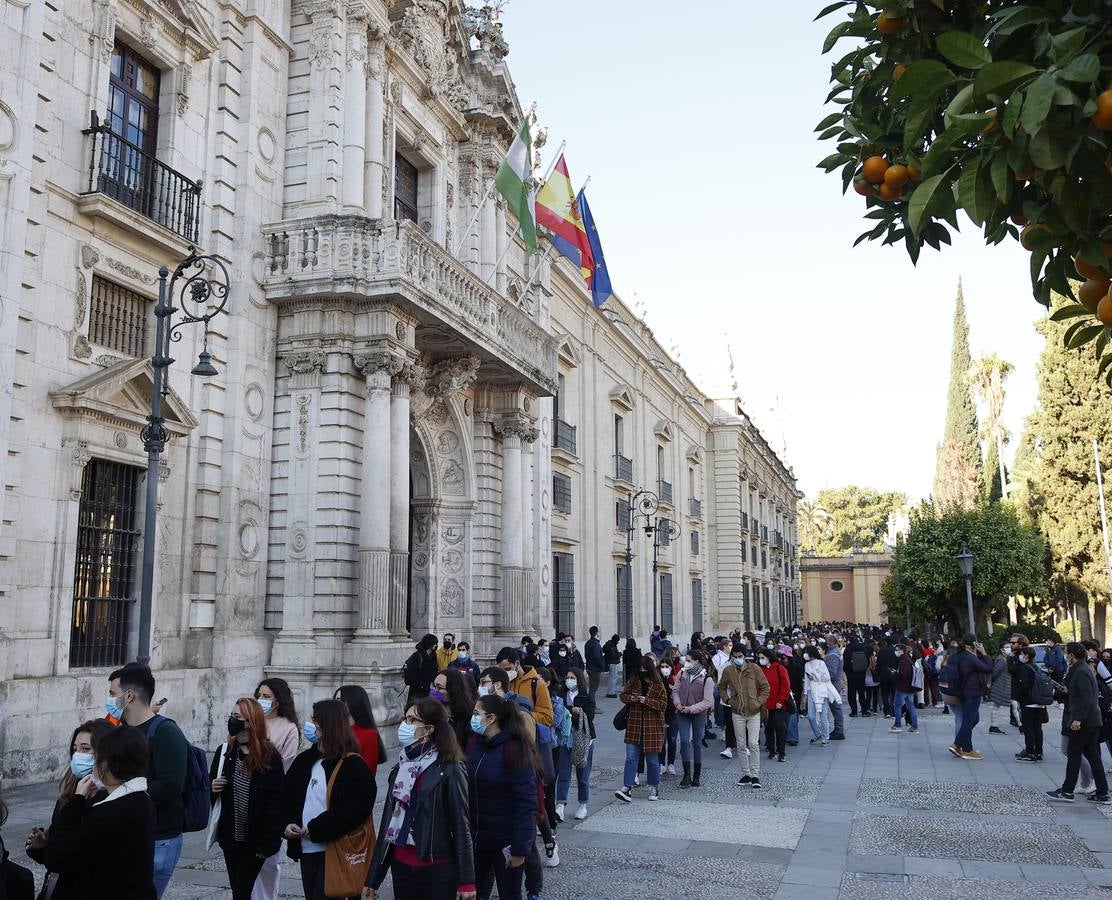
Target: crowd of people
{"type": "Point", "coordinates": [482, 777]}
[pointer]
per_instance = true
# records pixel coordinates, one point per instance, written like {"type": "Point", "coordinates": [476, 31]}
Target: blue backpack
{"type": "Point", "coordinates": [196, 795]}
{"type": "Point", "coordinates": [949, 680]}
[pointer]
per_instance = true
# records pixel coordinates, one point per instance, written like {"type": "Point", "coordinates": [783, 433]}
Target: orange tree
{"type": "Point", "coordinates": [1000, 109]}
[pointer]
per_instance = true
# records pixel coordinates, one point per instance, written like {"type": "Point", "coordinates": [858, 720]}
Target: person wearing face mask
{"type": "Point", "coordinates": [82, 760]}
{"type": "Point", "coordinates": [576, 695]}
{"type": "Point", "coordinates": [465, 664]}
{"type": "Point", "coordinates": [744, 690]}
{"type": "Point", "coordinates": [525, 681]}
{"type": "Point", "coordinates": [362, 720]}
{"type": "Point", "coordinates": [425, 829]}
{"type": "Point", "coordinates": [1000, 689]}
{"type": "Point", "coordinates": [778, 703]}
{"type": "Point", "coordinates": [104, 849]}
{"type": "Point", "coordinates": [904, 692]}
{"type": "Point", "coordinates": [693, 698]}
{"type": "Point", "coordinates": [596, 661]}
{"type": "Point", "coordinates": [420, 668]}
{"type": "Point", "coordinates": [284, 732]}
{"type": "Point", "coordinates": [130, 691]}
{"type": "Point", "coordinates": [1033, 714]}
{"type": "Point", "coordinates": [246, 777]}
{"type": "Point", "coordinates": [644, 732]}
{"type": "Point", "coordinates": [669, 670]}
{"type": "Point", "coordinates": [542, 653]}
{"type": "Point", "coordinates": [454, 691]}
{"type": "Point", "coordinates": [328, 792]}
{"type": "Point", "coordinates": [446, 653]}
{"type": "Point", "coordinates": [816, 694]}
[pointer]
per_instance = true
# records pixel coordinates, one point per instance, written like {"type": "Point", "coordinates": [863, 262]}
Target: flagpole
{"type": "Point", "coordinates": [537, 268]}
{"type": "Point", "coordinates": [510, 243]}
{"type": "Point", "coordinates": [474, 218]}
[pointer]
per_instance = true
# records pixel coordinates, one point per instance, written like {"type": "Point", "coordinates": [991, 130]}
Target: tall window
{"type": "Point", "coordinates": [660, 463]}
{"type": "Point", "coordinates": [667, 616]}
{"type": "Point", "coordinates": [405, 189]}
{"type": "Point", "coordinates": [619, 436]}
{"type": "Point", "coordinates": [561, 492]}
{"type": "Point", "coordinates": [697, 604]}
{"type": "Point", "coordinates": [624, 596]}
{"type": "Point", "coordinates": [126, 167]}
{"type": "Point", "coordinates": [745, 613]}
{"type": "Point", "coordinates": [560, 385]}
{"type": "Point", "coordinates": [563, 592]}
{"type": "Point", "coordinates": [104, 573]}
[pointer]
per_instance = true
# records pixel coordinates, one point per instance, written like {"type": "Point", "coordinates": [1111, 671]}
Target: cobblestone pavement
{"type": "Point", "coordinates": [879, 815]}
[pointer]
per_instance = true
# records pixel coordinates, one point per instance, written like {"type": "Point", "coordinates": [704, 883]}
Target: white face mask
{"type": "Point", "coordinates": [665, 670]}
{"type": "Point", "coordinates": [899, 653]}
{"type": "Point", "coordinates": [484, 690]}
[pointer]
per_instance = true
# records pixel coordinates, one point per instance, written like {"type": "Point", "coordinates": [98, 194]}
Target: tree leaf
{"type": "Point", "coordinates": [1085, 67]}
{"type": "Point", "coordinates": [919, 204]}
{"type": "Point", "coordinates": [1083, 336]}
{"type": "Point", "coordinates": [829, 9]}
{"type": "Point", "coordinates": [1070, 311]}
{"type": "Point", "coordinates": [1001, 176]}
{"type": "Point", "coordinates": [832, 119]}
{"type": "Point", "coordinates": [963, 50]}
{"type": "Point", "coordinates": [1067, 43]}
{"type": "Point", "coordinates": [924, 74]}
{"type": "Point", "coordinates": [967, 194]}
{"type": "Point", "coordinates": [937, 154]}
{"type": "Point", "coordinates": [1036, 103]}
{"type": "Point", "coordinates": [999, 77]}
{"type": "Point", "coordinates": [1011, 20]}
{"type": "Point", "coordinates": [836, 33]}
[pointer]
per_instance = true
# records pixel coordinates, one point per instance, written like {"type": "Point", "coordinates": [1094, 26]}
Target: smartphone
{"type": "Point", "coordinates": [163, 702]}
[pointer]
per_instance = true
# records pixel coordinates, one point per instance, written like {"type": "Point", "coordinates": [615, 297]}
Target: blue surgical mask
{"type": "Point", "coordinates": [81, 764]}
{"type": "Point", "coordinates": [310, 733]}
{"type": "Point", "coordinates": [739, 661]}
{"type": "Point", "coordinates": [267, 706]}
{"type": "Point", "coordinates": [113, 708]}
{"type": "Point", "coordinates": [477, 725]}
{"type": "Point", "coordinates": [464, 655]}
{"type": "Point", "coordinates": [484, 690]}
{"type": "Point", "coordinates": [571, 684]}
{"type": "Point", "coordinates": [407, 734]}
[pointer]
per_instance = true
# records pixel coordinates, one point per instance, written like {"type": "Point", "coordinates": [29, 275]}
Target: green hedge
{"type": "Point", "coordinates": [1036, 634]}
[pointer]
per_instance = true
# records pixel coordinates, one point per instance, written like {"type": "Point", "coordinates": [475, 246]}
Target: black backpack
{"type": "Point", "coordinates": [1042, 688]}
{"type": "Point", "coordinates": [860, 661]}
{"type": "Point", "coordinates": [16, 882]}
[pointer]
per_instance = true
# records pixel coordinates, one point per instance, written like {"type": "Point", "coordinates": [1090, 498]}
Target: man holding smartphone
{"type": "Point", "coordinates": [973, 664]}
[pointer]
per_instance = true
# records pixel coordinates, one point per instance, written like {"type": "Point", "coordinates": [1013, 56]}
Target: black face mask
{"type": "Point", "coordinates": [447, 643]}
{"type": "Point", "coordinates": [235, 726]}
{"type": "Point", "coordinates": [645, 674]}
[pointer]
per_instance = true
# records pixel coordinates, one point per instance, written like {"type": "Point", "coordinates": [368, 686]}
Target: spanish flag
{"type": "Point", "coordinates": [558, 210]}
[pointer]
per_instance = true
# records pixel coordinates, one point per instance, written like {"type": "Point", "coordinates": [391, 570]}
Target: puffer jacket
{"type": "Point", "coordinates": [693, 693]}
{"type": "Point", "coordinates": [502, 799]}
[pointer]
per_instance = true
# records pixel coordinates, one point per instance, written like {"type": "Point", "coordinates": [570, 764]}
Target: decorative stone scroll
{"type": "Point", "coordinates": [450, 375]}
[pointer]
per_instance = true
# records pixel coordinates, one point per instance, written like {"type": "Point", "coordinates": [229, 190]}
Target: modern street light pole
{"type": "Point", "coordinates": [203, 296]}
{"type": "Point", "coordinates": [965, 561]}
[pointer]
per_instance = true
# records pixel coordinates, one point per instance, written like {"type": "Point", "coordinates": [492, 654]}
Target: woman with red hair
{"type": "Point", "coordinates": [247, 778]}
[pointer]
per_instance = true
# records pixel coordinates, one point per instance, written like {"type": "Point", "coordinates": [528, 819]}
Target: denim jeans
{"type": "Point", "coordinates": [613, 692]}
{"type": "Point", "coordinates": [793, 727]}
{"type": "Point", "coordinates": [901, 701]}
{"type": "Point", "coordinates": [839, 722]}
{"type": "Point", "coordinates": [633, 753]}
{"type": "Point", "coordinates": [167, 852]}
{"type": "Point", "coordinates": [970, 716]}
{"type": "Point", "coordinates": [582, 776]}
{"type": "Point", "coordinates": [721, 714]}
{"type": "Point", "coordinates": [819, 717]}
{"type": "Point", "coordinates": [691, 737]}
{"type": "Point", "coordinates": [668, 758]}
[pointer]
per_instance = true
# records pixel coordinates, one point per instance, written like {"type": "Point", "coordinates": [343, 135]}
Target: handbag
{"type": "Point", "coordinates": [580, 741]}
{"type": "Point", "coordinates": [621, 718]}
{"type": "Point", "coordinates": [348, 858]}
{"type": "Point", "coordinates": [214, 816]}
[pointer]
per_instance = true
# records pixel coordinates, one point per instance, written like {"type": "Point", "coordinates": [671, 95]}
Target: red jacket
{"type": "Point", "coordinates": [779, 685]}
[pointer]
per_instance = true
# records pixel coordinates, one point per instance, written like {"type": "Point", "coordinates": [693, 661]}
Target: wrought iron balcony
{"type": "Point", "coordinates": [665, 491]}
{"type": "Point", "coordinates": [129, 175]}
{"type": "Point", "coordinates": [623, 468]}
{"type": "Point", "coordinates": [565, 437]}
{"type": "Point", "coordinates": [696, 508]}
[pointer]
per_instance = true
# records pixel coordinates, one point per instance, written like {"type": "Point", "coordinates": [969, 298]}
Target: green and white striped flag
{"type": "Point", "coordinates": [512, 183]}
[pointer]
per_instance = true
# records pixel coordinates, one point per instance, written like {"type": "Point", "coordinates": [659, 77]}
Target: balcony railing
{"type": "Point", "coordinates": [129, 175]}
{"type": "Point", "coordinates": [665, 491]}
{"type": "Point", "coordinates": [623, 468]}
{"type": "Point", "coordinates": [696, 508]}
{"type": "Point", "coordinates": [565, 437]}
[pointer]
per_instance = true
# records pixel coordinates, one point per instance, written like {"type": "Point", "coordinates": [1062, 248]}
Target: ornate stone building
{"type": "Point", "coordinates": [375, 458]}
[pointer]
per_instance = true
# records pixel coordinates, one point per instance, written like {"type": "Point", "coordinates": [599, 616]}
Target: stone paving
{"type": "Point", "coordinates": [879, 815]}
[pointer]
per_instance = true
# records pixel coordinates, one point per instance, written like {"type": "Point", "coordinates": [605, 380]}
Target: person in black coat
{"type": "Point", "coordinates": [1031, 715]}
{"type": "Point", "coordinates": [886, 665]}
{"type": "Point", "coordinates": [574, 690]}
{"type": "Point", "coordinates": [631, 659]}
{"type": "Point", "coordinates": [108, 847]}
{"type": "Point", "coordinates": [317, 816]}
{"type": "Point", "coordinates": [420, 669]}
{"type": "Point", "coordinates": [426, 822]}
{"type": "Point", "coordinates": [1081, 723]}
{"type": "Point", "coordinates": [247, 765]}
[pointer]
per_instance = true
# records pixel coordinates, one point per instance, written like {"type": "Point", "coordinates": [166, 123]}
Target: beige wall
{"type": "Point", "coordinates": [862, 576]}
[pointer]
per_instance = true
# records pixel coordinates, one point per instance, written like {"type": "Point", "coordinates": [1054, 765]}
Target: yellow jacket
{"type": "Point", "coordinates": [532, 687]}
{"type": "Point", "coordinates": [445, 658]}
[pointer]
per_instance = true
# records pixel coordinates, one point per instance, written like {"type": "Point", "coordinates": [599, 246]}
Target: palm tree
{"type": "Point", "coordinates": [813, 522]}
{"type": "Point", "coordinates": [987, 376]}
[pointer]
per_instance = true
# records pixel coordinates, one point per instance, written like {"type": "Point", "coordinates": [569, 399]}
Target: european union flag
{"type": "Point", "coordinates": [599, 282]}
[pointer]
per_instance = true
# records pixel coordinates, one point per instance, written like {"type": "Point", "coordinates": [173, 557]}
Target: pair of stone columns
{"type": "Point", "coordinates": [364, 109]}
{"type": "Point", "coordinates": [517, 525]}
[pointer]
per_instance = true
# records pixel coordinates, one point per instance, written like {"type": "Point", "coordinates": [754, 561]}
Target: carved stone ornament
{"type": "Point", "coordinates": [451, 375]}
{"type": "Point", "coordinates": [304, 403]}
{"type": "Point", "coordinates": [149, 31]}
{"type": "Point", "coordinates": [378, 361]}
{"type": "Point", "coordinates": [357, 42]}
{"type": "Point", "coordinates": [81, 347]}
{"type": "Point", "coordinates": [516, 426]}
{"type": "Point", "coordinates": [321, 48]}
{"type": "Point", "coordinates": [79, 299]}
{"type": "Point", "coordinates": [303, 362]}
{"type": "Point", "coordinates": [89, 256]}
{"type": "Point", "coordinates": [411, 374]}
{"type": "Point", "coordinates": [129, 271]}
{"type": "Point", "coordinates": [185, 75]}
{"type": "Point", "coordinates": [423, 33]}
{"type": "Point", "coordinates": [451, 598]}
{"type": "Point", "coordinates": [480, 24]}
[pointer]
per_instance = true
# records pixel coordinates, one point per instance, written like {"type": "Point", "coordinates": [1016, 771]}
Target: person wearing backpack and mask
{"type": "Point", "coordinates": [1033, 712]}
{"type": "Point", "coordinates": [856, 666]}
{"type": "Point", "coordinates": [970, 664]}
{"type": "Point", "coordinates": [526, 682]}
{"type": "Point", "coordinates": [130, 691]}
{"type": "Point", "coordinates": [1081, 724]}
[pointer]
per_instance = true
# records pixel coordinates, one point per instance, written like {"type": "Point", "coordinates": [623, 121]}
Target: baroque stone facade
{"type": "Point", "coordinates": [375, 458]}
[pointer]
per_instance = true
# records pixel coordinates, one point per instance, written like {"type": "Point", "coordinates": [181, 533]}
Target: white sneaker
{"type": "Point", "coordinates": [636, 780]}
{"type": "Point", "coordinates": [727, 753]}
{"type": "Point", "coordinates": [560, 811]}
{"type": "Point", "coordinates": [672, 769]}
{"type": "Point", "coordinates": [581, 813]}
{"type": "Point", "coordinates": [653, 795]}
{"type": "Point", "coordinates": [553, 855]}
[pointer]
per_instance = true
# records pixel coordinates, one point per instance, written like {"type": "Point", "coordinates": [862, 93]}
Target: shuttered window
{"type": "Point", "coordinates": [623, 597]}
{"type": "Point", "coordinates": [561, 492]}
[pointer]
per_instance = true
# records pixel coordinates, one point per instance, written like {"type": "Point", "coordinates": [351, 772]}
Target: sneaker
{"type": "Point", "coordinates": [781, 758]}
{"type": "Point", "coordinates": [1024, 756]}
{"type": "Point", "coordinates": [727, 753]}
{"type": "Point", "coordinates": [972, 754]}
{"type": "Point", "coordinates": [624, 794]}
{"type": "Point", "coordinates": [995, 730]}
{"type": "Point", "coordinates": [1102, 799]}
{"type": "Point", "coordinates": [755, 784]}
{"type": "Point", "coordinates": [913, 730]}
{"type": "Point", "coordinates": [1089, 791]}
{"type": "Point", "coordinates": [955, 749]}
{"type": "Point", "coordinates": [1060, 795]}
{"type": "Point", "coordinates": [866, 714]}
{"type": "Point", "coordinates": [824, 743]}
{"type": "Point", "coordinates": [744, 781]}
{"type": "Point", "coordinates": [653, 795]}
{"type": "Point", "coordinates": [671, 769]}
{"type": "Point", "coordinates": [533, 897]}
{"type": "Point", "coordinates": [853, 715]}
{"type": "Point", "coordinates": [581, 813]}
{"type": "Point", "coordinates": [815, 740]}
{"type": "Point", "coordinates": [560, 811]}
{"type": "Point", "coordinates": [837, 736]}
{"type": "Point", "coordinates": [553, 853]}
{"type": "Point", "coordinates": [895, 729]}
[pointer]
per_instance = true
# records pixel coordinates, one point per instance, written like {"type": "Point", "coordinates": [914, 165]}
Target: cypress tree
{"type": "Point", "coordinates": [957, 477]}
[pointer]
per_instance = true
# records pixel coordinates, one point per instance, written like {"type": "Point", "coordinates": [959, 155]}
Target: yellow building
{"type": "Point", "coordinates": [844, 588]}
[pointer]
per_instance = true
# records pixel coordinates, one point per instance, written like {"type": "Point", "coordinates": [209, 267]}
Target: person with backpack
{"type": "Point", "coordinates": [1081, 724]}
{"type": "Point", "coordinates": [130, 691]}
{"type": "Point", "coordinates": [1034, 691]}
{"type": "Point", "coordinates": [968, 666]}
{"type": "Point", "coordinates": [596, 661]}
{"type": "Point", "coordinates": [693, 698]}
{"type": "Point", "coordinates": [856, 667]}
{"type": "Point", "coordinates": [613, 658]}
{"type": "Point", "coordinates": [931, 697]}
{"type": "Point", "coordinates": [420, 669]}
{"type": "Point", "coordinates": [526, 682]}
{"type": "Point", "coordinates": [1054, 659]}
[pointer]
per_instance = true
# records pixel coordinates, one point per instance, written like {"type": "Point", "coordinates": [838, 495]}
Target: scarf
{"type": "Point", "coordinates": [411, 764]}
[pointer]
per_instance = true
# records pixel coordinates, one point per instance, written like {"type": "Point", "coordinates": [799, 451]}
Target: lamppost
{"type": "Point", "coordinates": [203, 296]}
{"type": "Point", "coordinates": [654, 527]}
{"type": "Point", "coordinates": [644, 505]}
{"type": "Point", "coordinates": [965, 561]}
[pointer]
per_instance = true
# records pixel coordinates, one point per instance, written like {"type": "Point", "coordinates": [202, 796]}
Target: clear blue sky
{"type": "Point", "coordinates": [695, 122]}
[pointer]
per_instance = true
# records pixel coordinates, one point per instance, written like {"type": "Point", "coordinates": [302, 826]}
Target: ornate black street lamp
{"type": "Point", "coordinates": [203, 295]}
{"type": "Point", "coordinates": [645, 505]}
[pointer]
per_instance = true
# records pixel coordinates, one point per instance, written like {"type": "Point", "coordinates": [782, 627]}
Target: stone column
{"type": "Point", "coordinates": [355, 114]}
{"type": "Point", "coordinates": [488, 238]}
{"type": "Point", "coordinates": [409, 376]}
{"type": "Point", "coordinates": [515, 577]}
{"type": "Point", "coordinates": [373, 165]}
{"type": "Point", "coordinates": [500, 245]}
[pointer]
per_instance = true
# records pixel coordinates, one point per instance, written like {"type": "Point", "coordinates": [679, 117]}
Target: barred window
{"type": "Point", "coordinates": [623, 596]}
{"type": "Point", "coordinates": [694, 543]}
{"type": "Point", "coordinates": [621, 515]}
{"type": "Point", "coordinates": [118, 318]}
{"type": "Point", "coordinates": [107, 558]}
{"type": "Point", "coordinates": [563, 592]}
{"type": "Point", "coordinates": [663, 530]}
{"type": "Point", "coordinates": [666, 611]}
{"type": "Point", "coordinates": [561, 492]}
{"type": "Point", "coordinates": [697, 604]}
{"type": "Point", "coordinates": [405, 189]}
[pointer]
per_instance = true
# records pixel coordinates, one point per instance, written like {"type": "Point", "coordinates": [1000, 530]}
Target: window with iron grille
{"type": "Point", "coordinates": [663, 531]}
{"type": "Point", "coordinates": [623, 596]}
{"type": "Point", "coordinates": [767, 607]}
{"type": "Point", "coordinates": [666, 612]}
{"type": "Point", "coordinates": [764, 560]}
{"type": "Point", "coordinates": [118, 318]}
{"type": "Point", "coordinates": [745, 611]}
{"type": "Point", "coordinates": [563, 592]}
{"type": "Point", "coordinates": [621, 515]}
{"type": "Point", "coordinates": [694, 543]}
{"type": "Point", "coordinates": [697, 604]}
{"type": "Point", "coordinates": [753, 553]}
{"type": "Point", "coordinates": [561, 492]}
{"type": "Point", "coordinates": [107, 559]}
{"type": "Point", "coordinates": [405, 189]}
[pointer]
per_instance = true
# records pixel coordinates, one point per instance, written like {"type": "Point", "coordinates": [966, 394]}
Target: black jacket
{"type": "Point", "coordinates": [585, 702]}
{"type": "Point", "coordinates": [68, 887]}
{"type": "Point", "coordinates": [611, 653]}
{"type": "Point", "coordinates": [886, 663]}
{"type": "Point", "coordinates": [631, 662]}
{"type": "Point", "coordinates": [1023, 681]}
{"type": "Point", "coordinates": [1083, 703]}
{"type": "Point", "coordinates": [441, 826]}
{"type": "Point", "coordinates": [850, 666]}
{"type": "Point", "coordinates": [350, 805]}
{"type": "Point", "coordinates": [265, 815]}
{"type": "Point", "coordinates": [85, 837]}
{"type": "Point", "coordinates": [419, 672]}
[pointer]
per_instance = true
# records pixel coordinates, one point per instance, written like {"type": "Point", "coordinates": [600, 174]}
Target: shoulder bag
{"type": "Point", "coordinates": [348, 858]}
{"type": "Point", "coordinates": [580, 740]}
{"type": "Point", "coordinates": [214, 816]}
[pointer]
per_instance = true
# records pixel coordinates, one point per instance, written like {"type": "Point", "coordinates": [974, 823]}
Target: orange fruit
{"type": "Point", "coordinates": [1028, 233]}
{"type": "Point", "coordinates": [874, 168]}
{"type": "Point", "coordinates": [887, 192]}
{"type": "Point", "coordinates": [1104, 309]}
{"type": "Point", "coordinates": [886, 23]}
{"type": "Point", "coordinates": [896, 176]}
{"type": "Point", "coordinates": [862, 187]}
{"type": "Point", "coordinates": [1087, 270]}
{"type": "Point", "coordinates": [898, 72]}
{"type": "Point", "coordinates": [1019, 218]}
{"type": "Point", "coordinates": [1091, 292]}
{"type": "Point", "coordinates": [1103, 117]}
{"type": "Point", "coordinates": [913, 172]}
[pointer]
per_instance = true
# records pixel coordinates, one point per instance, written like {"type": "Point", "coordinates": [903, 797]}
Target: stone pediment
{"type": "Point", "coordinates": [185, 20]}
{"type": "Point", "coordinates": [663, 430]}
{"type": "Point", "coordinates": [567, 352]}
{"type": "Point", "coordinates": [121, 394]}
{"type": "Point", "coordinates": [623, 396]}
{"type": "Point", "coordinates": [695, 454]}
